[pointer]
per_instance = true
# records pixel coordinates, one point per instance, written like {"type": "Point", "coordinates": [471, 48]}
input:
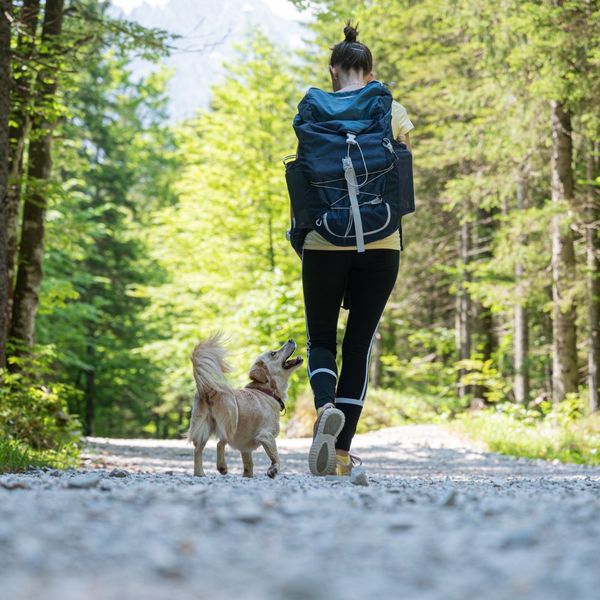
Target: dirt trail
{"type": "Point", "coordinates": [440, 519]}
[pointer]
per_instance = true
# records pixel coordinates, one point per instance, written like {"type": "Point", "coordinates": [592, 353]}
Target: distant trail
{"type": "Point", "coordinates": [440, 520]}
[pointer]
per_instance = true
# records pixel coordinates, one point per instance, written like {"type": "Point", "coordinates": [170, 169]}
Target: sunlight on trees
{"type": "Point", "coordinates": [141, 237]}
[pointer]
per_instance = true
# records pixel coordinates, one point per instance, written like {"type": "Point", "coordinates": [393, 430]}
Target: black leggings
{"type": "Point", "coordinates": [326, 275]}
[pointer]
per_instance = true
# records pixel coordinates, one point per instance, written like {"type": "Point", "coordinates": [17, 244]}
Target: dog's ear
{"type": "Point", "coordinates": [259, 372]}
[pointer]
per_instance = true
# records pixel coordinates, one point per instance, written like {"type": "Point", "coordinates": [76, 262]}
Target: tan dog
{"type": "Point", "coordinates": [243, 418]}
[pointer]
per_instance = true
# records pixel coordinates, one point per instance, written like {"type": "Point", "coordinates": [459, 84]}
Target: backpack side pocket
{"type": "Point", "coordinates": [301, 194]}
{"type": "Point", "coordinates": [399, 185]}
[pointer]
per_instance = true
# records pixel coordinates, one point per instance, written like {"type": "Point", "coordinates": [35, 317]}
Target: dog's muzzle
{"type": "Point", "coordinates": [288, 362]}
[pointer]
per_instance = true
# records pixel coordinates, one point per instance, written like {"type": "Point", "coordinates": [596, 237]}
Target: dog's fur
{"type": "Point", "coordinates": [243, 418]}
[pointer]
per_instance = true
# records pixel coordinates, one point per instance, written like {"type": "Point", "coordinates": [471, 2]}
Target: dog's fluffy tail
{"type": "Point", "coordinates": [210, 366]}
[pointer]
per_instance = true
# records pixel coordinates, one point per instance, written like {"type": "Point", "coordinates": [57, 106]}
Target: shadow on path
{"type": "Point", "coordinates": [410, 452]}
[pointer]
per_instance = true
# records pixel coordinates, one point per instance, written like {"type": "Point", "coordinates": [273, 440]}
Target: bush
{"type": "Point", "coordinates": [383, 408]}
{"type": "Point", "coordinates": [557, 435]}
{"type": "Point", "coordinates": [34, 414]}
{"type": "Point", "coordinates": [16, 456]}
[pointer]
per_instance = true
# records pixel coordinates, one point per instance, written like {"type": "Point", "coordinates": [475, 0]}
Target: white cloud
{"type": "Point", "coordinates": [282, 8]}
{"type": "Point", "coordinates": [129, 5]}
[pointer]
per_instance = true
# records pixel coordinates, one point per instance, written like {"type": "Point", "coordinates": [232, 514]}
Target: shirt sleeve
{"type": "Point", "coordinates": [401, 124]}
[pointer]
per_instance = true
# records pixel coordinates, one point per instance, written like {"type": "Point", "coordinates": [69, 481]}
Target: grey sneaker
{"type": "Point", "coordinates": [321, 456]}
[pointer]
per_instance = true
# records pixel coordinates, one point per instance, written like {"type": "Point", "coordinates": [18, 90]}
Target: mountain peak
{"type": "Point", "coordinates": [208, 31]}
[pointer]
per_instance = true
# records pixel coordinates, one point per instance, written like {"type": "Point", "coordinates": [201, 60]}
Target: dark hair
{"type": "Point", "coordinates": [351, 55]}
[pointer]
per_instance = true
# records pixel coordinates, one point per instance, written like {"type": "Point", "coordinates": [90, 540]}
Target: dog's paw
{"type": "Point", "coordinates": [248, 474]}
{"type": "Point", "coordinates": [222, 470]}
{"type": "Point", "coordinates": [272, 471]}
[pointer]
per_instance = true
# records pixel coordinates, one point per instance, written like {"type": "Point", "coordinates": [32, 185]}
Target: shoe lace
{"type": "Point", "coordinates": [356, 461]}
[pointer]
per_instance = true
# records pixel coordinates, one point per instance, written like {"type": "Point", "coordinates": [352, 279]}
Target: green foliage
{"type": "Point", "coordinates": [383, 408]}
{"type": "Point", "coordinates": [483, 373]}
{"type": "Point", "coordinates": [575, 441]}
{"type": "Point", "coordinates": [389, 408]}
{"type": "Point", "coordinates": [157, 235]}
{"type": "Point", "coordinates": [34, 411]}
{"type": "Point", "coordinates": [222, 246]}
{"type": "Point", "coordinates": [16, 456]}
{"type": "Point", "coordinates": [422, 364]}
{"type": "Point", "coordinates": [117, 165]}
{"type": "Point", "coordinates": [562, 414]}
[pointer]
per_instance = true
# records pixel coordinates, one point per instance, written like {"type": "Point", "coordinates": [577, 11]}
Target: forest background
{"type": "Point", "coordinates": [126, 238]}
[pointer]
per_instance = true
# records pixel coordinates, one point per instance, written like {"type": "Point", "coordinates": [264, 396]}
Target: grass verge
{"type": "Point", "coordinates": [575, 442]}
{"type": "Point", "coordinates": [16, 457]}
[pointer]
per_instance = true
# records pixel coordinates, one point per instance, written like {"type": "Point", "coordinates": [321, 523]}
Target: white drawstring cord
{"type": "Point", "coordinates": [354, 188]}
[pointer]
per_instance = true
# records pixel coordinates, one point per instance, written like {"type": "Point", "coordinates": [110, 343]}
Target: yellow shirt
{"type": "Point", "coordinates": [315, 241]}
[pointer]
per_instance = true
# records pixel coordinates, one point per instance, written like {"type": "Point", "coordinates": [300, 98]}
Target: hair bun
{"type": "Point", "coordinates": [350, 32]}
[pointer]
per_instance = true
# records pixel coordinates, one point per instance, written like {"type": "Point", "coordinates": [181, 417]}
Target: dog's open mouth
{"type": "Point", "coordinates": [289, 363]}
{"type": "Point", "coordinates": [292, 362]}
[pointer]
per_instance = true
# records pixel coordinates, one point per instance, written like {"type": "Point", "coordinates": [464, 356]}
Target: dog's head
{"type": "Point", "coordinates": [273, 368]}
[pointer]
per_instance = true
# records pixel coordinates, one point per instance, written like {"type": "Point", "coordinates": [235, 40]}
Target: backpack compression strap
{"type": "Point", "coordinates": [352, 183]}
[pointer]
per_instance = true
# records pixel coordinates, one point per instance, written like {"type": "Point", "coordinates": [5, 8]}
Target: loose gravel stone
{"type": "Point", "coordinates": [13, 485]}
{"type": "Point", "coordinates": [86, 481]}
{"type": "Point", "coordinates": [359, 477]}
{"type": "Point", "coordinates": [119, 473]}
{"type": "Point", "coordinates": [439, 520]}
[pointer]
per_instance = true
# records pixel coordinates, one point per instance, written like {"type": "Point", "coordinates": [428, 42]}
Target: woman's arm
{"type": "Point", "coordinates": [401, 124]}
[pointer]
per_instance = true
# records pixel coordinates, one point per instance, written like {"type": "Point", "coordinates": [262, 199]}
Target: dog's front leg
{"type": "Point", "coordinates": [270, 445]}
{"type": "Point", "coordinates": [248, 464]}
{"type": "Point", "coordinates": [198, 468]}
{"type": "Point", "coordinates": [221, 464]}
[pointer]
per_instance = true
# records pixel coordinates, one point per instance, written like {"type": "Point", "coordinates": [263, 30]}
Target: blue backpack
{"type": "Point", "coordinates": [350, 180]}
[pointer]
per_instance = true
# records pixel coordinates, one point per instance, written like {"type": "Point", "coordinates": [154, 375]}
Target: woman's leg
{"type": "Point", "coordinates": [324, 278]}
{"type": "Point", "coordinates": [371, 281]}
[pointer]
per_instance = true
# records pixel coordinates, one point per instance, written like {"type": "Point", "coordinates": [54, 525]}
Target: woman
{"type": "Point", "coordinates": [327, 271]}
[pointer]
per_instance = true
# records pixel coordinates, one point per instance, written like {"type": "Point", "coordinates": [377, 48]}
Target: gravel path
{"type": "Point", "coordinates": [440, 519]}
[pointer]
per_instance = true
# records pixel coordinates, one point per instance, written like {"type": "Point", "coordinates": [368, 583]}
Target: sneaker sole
{"type": "Point", "coordinates": [321, 456]}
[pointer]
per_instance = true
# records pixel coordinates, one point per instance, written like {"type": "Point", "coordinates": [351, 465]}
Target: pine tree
{"type": "Point", "coordinates": [5, 86]}
{"type": "Point", "coordinates": [31, 249]}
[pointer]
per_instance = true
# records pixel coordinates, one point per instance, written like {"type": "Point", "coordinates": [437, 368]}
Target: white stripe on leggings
{"type": "Point", "coordinates": [322, 370]}
{"type": "Point", "coordinates": [349, 401]}
{"type": "Point", "coordinates": [307, 335]}
{"type": "Point", "coordinates": [364, 390]}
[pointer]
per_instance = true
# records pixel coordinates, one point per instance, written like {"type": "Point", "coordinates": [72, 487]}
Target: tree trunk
{"type": "Point", "coordinates": [19, 129]}
{"type": "Point", "coordinates": [546, 322]}
{"type": "Point", "coordinates": [592, 243]}
{"type": "Point", "coordinates": [564, 340]}
{"type": "Point", "coordinates": [521, 317]}
{"type": "Point", "coordinates": [5, 85]}
{"type": "Point", "coordinates": [463, 308]}
{"type": "Point", "coordinates": [481, 317]}
{"type": "Point", "coordinates": [89, 399]}
{"type": "Point", "coordinates": [31, 249]}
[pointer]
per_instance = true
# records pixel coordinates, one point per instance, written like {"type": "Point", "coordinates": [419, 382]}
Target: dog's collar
{"type": "Point", "coordinates": [273, 395]}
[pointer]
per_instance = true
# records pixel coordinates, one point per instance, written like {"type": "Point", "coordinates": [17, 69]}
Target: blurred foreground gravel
{"type": "Point", "coordinates": [439, 520]}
